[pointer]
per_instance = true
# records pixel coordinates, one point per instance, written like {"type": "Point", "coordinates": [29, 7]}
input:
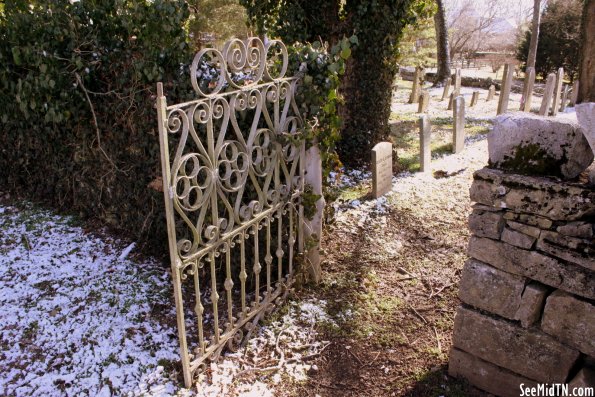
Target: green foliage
{"type": "Point", "coordinates": [366, 84]}
{"type": "Point", "coordinates": [418, 45]}
{"type": "Point", "coordinates": [559, 39]}
{"type": "Point", "coordinates": [318, 95]}
{"type": "Point", "coordinates": [77, 118]}
{"type": "Point", "coordinates": [223, 18]}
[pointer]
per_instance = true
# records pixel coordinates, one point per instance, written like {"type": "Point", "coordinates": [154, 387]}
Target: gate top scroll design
{"type": "Point", "coordinates": [238, 78]}
{"type": "Point", "coordinates": [234, 174]}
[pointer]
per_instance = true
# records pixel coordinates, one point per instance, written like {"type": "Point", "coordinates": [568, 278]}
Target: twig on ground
{"type": "Point", "coordinates": [417, 313]}
{"type": "Point", "coordinates": [403, 271]}
{"type": "Point", "coordinates": [372, 362]}
{"type": "Point", "coordinates": [437, 339]}
{"type": "Point", "coordinates": [355, 356]}
{"type": "Point", "coordinates": [440, 290]}
{"type": "Point", "coordinates": [282, 362]}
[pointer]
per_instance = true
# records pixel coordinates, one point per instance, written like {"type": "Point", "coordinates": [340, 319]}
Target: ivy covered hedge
{"type": "Point", "coordinates": [77, 94]}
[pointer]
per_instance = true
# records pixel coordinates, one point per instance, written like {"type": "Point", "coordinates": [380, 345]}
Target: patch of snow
{"type": "Point", "coordinates": [293, 331]}
{"type": "Point", "coordinates": [76, 318]}
{"type": "Point", "coordinates": [126, 251]}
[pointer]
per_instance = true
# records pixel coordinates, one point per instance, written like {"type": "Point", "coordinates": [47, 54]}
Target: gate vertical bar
{"type": "Point", "coordinates": [171, 232]}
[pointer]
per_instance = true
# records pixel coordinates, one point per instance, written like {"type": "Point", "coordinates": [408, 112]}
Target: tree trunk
{"type": "Point", "coordinates": [443, 73]}
{"type": "Point", "coordinates": [586, 80]}
{"type": "Point", "coordinates": [367, 89]}
{"type": "Point", "coordinates": [534, 33]}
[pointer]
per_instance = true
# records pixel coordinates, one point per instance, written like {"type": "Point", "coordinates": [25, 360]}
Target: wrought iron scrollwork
{"type": "Point", "coordinates": [232, 189]}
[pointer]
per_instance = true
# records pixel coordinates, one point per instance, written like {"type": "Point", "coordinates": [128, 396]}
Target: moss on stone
{"type": "Point", "coordinates": [531, 159]}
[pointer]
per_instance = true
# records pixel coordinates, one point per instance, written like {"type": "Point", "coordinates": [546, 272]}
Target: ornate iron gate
{"type": "Point", "coordinates": [232, 194]}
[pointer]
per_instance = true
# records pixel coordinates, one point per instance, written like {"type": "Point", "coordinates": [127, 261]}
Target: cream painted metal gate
{"type": "Point", "coordinates": [233, 176]}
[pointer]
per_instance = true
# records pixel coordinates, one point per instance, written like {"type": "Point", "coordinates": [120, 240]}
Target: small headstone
{"type": "Point", "coordinates": [446, 89]}
{"type": "Point", "coordinates": [528, 89]}
{"type": "Point", "coordinates": [425, 151]}
{"type": "Point", "coordinates": [458, 135]}
{"type": "Point", "coordinates": [382, 168]}
{"type": "Point", "coordinates": [505, 91]}
{"type": "Point", "coordinates": [547, 94]}
{"type": "Point", "coordinates": [417, 83]}
{"type": "Point", "coordinates": [491, 93]}
{"type": "Point", "coordinates": [557, 91]}
{"type": "Point", "coordinates": [564, 98]}
{"type": "Point", "coordinates": [474, 99]}
{"type": "Point", "coordinates": [574, 93]}
{"type": "Point", "coordinates": [424, 100]}
{"type": "Point", "coordinates": [457, 89]}
{"type": "Point", "coordinates": [451, 100]}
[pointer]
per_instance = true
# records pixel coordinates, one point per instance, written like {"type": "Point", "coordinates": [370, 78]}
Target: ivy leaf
{"type": "Point", "coordinates": [346, 53]}
{"type": "Point", "coordinates": [16, 55]}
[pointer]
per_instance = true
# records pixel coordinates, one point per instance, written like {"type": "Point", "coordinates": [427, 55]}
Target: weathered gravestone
{"type": "Point", "coordinates": [557, 91]}
{"type": "Point", "coordinates": [425, 137]}
{"type": "Point", "coordinates": [382, 168]}
{"type": "Point", "coordinates": [547, 94]}
{"type": "Point", "coordinates": [446, 89]}
{"type": "Point", "coordinates": [457, 90]}
{"type": "Point", "coordinates": [458, 134]}
{"type": "Point", "coordinates": [491, 93]}
{"type": "Point", "coordinates": [424, 100]}
{"type": "Point", "coordinates": [564, 98]}
{"type": "Point", "coordinates": [417, 83]}
{"type": "Point", "coordinates": [505, 91]}
{"type": "Point", "coordinates": [528, 89]}
{"type": "Point", "coordinates": [474, 99]}
{"type": "Point", "coordinates": [574, 93]}
{"type": "Point", "coordinates": [451, 100]}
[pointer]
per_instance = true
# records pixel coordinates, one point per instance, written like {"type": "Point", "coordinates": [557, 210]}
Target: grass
{"type": "Point", "coordinates": [360, 311]}
{"type": "Point", "coordinates": [405, 136]}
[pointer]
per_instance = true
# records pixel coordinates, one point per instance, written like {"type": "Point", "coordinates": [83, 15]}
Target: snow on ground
{"type": "Point", "coordinates": [455, 170]}
{"type": "Point", "coordinates": [283, 347]}
{"type": "Point", "coordinates": [74, 319]}
{"type": "Point", "coordinates": [78, 317]}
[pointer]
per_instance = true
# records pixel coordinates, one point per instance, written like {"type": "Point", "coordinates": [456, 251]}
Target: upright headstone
{"type": "Point", "coordinates": [564, 98]}
{"type": "Point", "coordinates": [574, 93]}
{"type": "Point", "coordinates": [382, 168]}
{"type": "Point", "coordinates": [547, 94]}
{"type": "Point", "coordinates": [474, 99]}
{"type": "Point", "coordinates": [457, 90]}
{"type": "Point", "coordinates": [425, 151]}
{"type": "Point", "coordinates": [446, 89]}
{"type": "Point", "coordinates": [491, 93]}
{"type": "Point", "coordinates": [424, 100]}
{"type": "Point", "coordinates": [458, 135]}
{"type": "Point", "coordinates": [505, 90]}
{"type": "Point", "coordinates": [528, 89]}
{"type": "Point", "coordinates": [451, 100]}
{"type": "Point", "coordinates": [557, 92]}
{"type": "Point", "coordinates": [418, 79]}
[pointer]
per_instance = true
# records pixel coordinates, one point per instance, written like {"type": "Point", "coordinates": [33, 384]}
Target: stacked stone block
{"type": "Point", "coordinates": [528, 290]}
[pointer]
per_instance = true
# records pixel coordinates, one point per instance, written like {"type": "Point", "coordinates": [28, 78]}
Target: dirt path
{"type": "Point", "coordinates": [391, 283]}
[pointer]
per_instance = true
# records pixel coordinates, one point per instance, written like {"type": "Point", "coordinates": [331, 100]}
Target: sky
{"type": "Point", "coordinates": [518, 11]}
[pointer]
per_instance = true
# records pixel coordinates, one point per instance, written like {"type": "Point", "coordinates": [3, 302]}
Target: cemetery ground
{"type": "Point", "coordinates": [91, 319]}
{"type": "Point", "coordinates": [81, 313]}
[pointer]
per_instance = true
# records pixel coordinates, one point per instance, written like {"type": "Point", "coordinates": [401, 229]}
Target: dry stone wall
{"type": "Point", "coordinates": [528, 290]}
